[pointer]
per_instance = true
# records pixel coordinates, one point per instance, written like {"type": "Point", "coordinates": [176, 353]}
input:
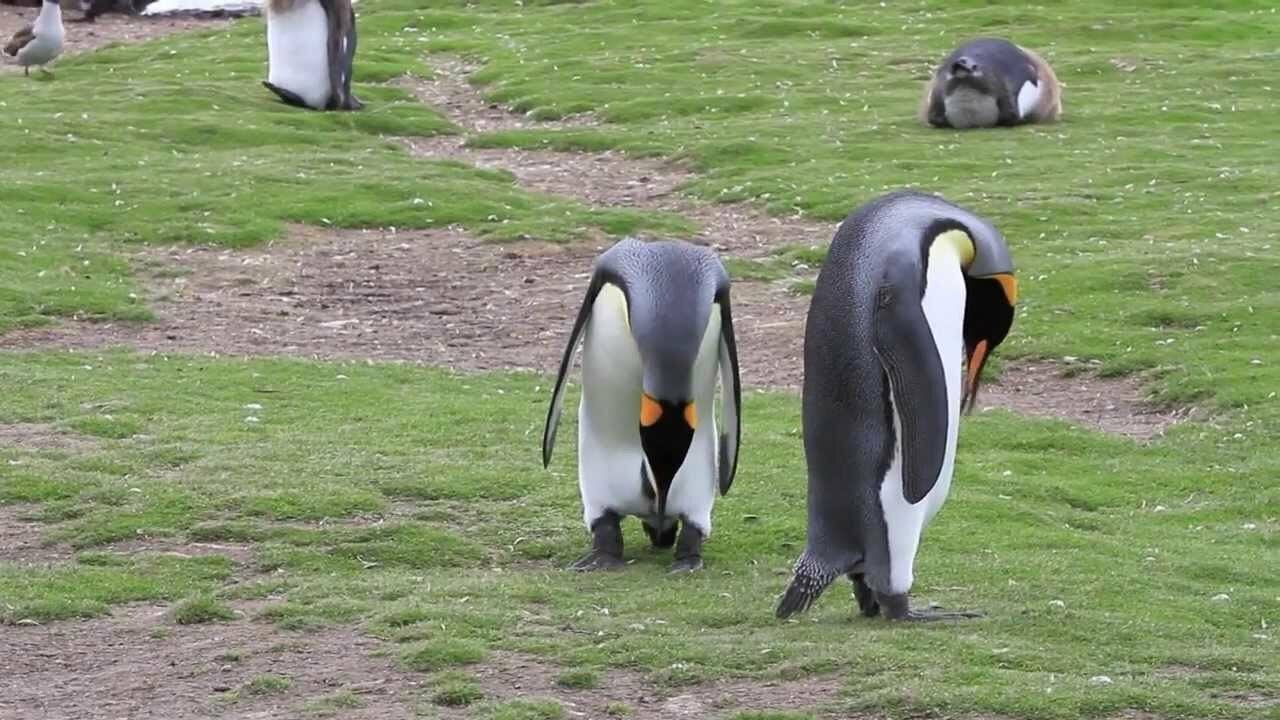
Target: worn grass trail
{"type": "Point", "coordinates": [409, 502]}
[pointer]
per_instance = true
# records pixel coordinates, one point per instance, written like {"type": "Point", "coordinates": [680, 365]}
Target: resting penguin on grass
{"type": "Point", "coordinates": [911, 287]}
{"type": "Point", "coordinates": [40, 42]}
{"type": "Point", "coordinates": [991, 82]}
{"type": "Point", "coordinates": [310, 46]}
{"type": "Point", "coordinates": [657, 331]}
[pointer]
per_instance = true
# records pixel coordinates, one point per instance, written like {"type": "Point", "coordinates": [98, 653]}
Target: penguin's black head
{"type": "Point", "coordinates": [991, 292]}
{"type": "Point", "coordinates": [965, 72]}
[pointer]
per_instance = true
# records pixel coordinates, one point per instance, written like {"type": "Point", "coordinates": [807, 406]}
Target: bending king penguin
{"type": "Point", "coordinates": [311, 45]}
{"type": "Point", "coordinates": [912, 287]}
{"type": "Point", "coordinates": [657, 332]}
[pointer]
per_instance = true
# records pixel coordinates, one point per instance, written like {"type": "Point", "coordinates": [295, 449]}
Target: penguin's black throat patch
{"type": "Point", "coordinates": [665, 444]}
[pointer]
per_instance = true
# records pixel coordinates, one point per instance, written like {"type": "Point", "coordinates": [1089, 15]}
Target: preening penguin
{"type": "Point", "coordinates": [41, 41]}
{"type": "Point", "coordinates": [311, 45]}
{"type": "Point", "coordinates": [657, 331]}
{"type": "Point", "coordinates": [912, 287]}
{"type": "Point", "coordinates": [991, 82]}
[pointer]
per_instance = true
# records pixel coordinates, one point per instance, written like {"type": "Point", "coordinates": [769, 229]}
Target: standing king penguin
{"type": "Point", "coordinates": [657, 331]}
{"type": "Point", "coordinates": [311, 45]}
{"type": "Point", "coordinates": [40, 42]}
{"type": "Point", "coordinates": [990, 82]}
{"type": "Point", "coordinates": [912, 287]}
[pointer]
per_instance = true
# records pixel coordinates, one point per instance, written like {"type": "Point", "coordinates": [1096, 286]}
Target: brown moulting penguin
{"type": "Point", "coordinates": [990, 82]}
{"type": "Point", "coordinates": [41, 41]}
{"type": "Point", "coordinates": [913, 288]}
{"type": "Point", "coordinates": [311, 45]}
{"type": "Point", "coordinates": [657, 333]}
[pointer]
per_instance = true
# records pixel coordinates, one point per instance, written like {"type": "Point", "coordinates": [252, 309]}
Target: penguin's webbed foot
{"type": "Point", "coordinates": [688, 549]}
{"type": "Point", "coordinates": [597, 560]}
{"type": "Point", "coordinates": [898, 608]}
{"type": "Point", "coordinates": [606, 545]}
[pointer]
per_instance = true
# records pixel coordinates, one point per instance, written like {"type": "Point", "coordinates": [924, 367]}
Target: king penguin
{"type": "Point", "coordinates": [990, 82]}
{"type": "Point", "coordinates": [912, 287]}
{"type": "Point", "coordinates": [657, 333]}
{"type": "Point", "coordinates": [311, 45]}
{"type": "Point", "coordinates": [41, 41]}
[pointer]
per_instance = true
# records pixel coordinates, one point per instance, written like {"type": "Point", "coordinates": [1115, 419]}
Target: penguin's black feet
{"type": "Point", "coordinates": [661, 539]}
{"type": "Point", "coordinates": [688, 549]}
{"type": "Point", "coordinates": [866, 597]}
{"type": "Point", "coordinates": [606, 545]}
{"type": "Point", "coordinates": [898, 607]}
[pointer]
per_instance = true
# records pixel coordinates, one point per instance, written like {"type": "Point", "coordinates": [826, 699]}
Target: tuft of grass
{"type": "Point", "coordinates": [454, 690]}
{"type": "Point", "coordinates": [527, 710]}
{"type": "Point", "coordinates": [202, 608]}
{"type": "Point", "coordinates": [619, 709]}
{"type": "Point", "coordinates": [334, 704]}
{"type": "Point", "coordinates": [580, 679]}
{"type": "Point", "coordinates": [267, 684]}
{"type": "Point", "coordinates": [444, 653]}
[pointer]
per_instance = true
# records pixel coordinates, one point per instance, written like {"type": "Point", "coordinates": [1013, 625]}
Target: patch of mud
{"type": "Point", "coordinates": [509, 677]}
{"type": "Point", "coordinates": [445, 299]}
{"type": "Point", "coordinates": [437, 297]}
{"type": "Point", "coordinates": [451, 94]}
{"type": "Point", "coordinates": [138, 664]}
{"type": "Point", "coordinates": [23, 542]}
{"type": "Point", "coordinates": [109, 28]}
{"type": "Point", "coordinates": [39, 436]}
{"type": "Point", "coordinates": [1114, 405]}
{"type": "Point", "coordinates": [612, 179]}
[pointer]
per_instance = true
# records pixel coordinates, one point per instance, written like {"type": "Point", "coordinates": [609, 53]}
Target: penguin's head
{"type": "Point", "coordinates": [964, 72]}
{"type": "Point", "coordinates": [991, 292]}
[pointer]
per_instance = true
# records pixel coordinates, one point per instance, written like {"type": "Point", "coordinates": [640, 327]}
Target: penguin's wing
{"type": "Point", "coordinates": [904, 343]}
{"type": "Point", "coordinates": [566, 362]}
{"type": "Point", "coordinates": [730, 395]}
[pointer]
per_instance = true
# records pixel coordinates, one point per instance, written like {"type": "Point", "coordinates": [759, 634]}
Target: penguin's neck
{"type": "Point", "coordinates": [943, 304]}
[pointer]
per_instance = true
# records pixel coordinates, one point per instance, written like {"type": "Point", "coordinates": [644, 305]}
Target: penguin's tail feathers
{"type": "Point", "coordinates": [811, 578]}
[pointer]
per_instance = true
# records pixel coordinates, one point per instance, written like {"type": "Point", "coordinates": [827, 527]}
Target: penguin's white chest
{"type": "Point", "coordinates": [609, 452]}
{"type": "Point", "coordinates": [943, 304]}
{"type": "Point", "coordinates": [1028, 98]}
{"type": "Point", "coordinates": [968, 108]}
{"type": "Point", "coordinates": [298, 51]}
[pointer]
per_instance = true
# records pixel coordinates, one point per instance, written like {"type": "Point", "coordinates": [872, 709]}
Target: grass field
{"type": "Point", "coordinates": [1120, 579]}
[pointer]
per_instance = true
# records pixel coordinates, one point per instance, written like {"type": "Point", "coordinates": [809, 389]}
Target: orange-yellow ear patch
{"type": "Point", "coordinates": [1010, 285]}
{"type": "Point", "coordinates": [691, 415]}
{"type": "Point", "coordinates": [650, 410]}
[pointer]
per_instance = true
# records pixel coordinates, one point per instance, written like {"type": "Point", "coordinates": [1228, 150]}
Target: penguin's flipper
{"type": "Point", "coordinates": [904, 343]}
{"type": "Point", "coordinates": [290, 98]}
{"type": "Point", "coordinates": [557, 396]}
{"type": "Point", "coordinates": [730, 395]}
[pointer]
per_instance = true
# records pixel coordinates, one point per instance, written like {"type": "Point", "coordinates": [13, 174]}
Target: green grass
{"type": "Point", "coordinates": [1143, 226]}
{"type": "Point", "coordinates": [267, 684]}
{"type": "Point", "coordinates": [334, 705]}
{"type": "Point", "coordinates": [202, 609]}
{"type": "Point", "coordinates": [578, 679]}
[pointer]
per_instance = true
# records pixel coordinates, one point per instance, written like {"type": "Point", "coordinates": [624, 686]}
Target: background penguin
{"type": "Point", "coordinates": [40, 42]}
{"type": "Point", "coordinates": [991, 82]}
{"type": "Point", "coordinates": [656, 328]}
{"type": "Point", "coordinates": [912, 287]}
{"type": "Point", "coordinates": [310, 46]}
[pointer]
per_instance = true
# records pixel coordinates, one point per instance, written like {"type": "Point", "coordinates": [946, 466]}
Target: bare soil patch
{"type": "Point", "coordinates": [22, 541]}
{"type": "Point", "coordinates": [138, 664]}
{"type": "Point", "coordinates": [608, 179]}
{"type": "Point", "coordinates": [109, 28]}
{"type": "Point", "coordinates": [39, 436]}
{"type": "Point", "coordinates": [443, 298]}
{"type": "Point", "coordinates": [1046, 389]}
{"type": "Point", "coordinates": [509, 677]}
